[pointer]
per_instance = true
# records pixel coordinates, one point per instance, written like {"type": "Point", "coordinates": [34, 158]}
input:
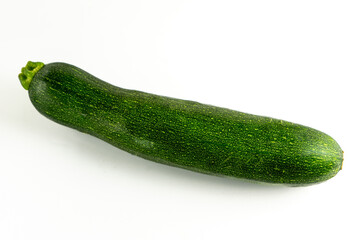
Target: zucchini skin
{"type": "Point", "coordinates": [186, 134]}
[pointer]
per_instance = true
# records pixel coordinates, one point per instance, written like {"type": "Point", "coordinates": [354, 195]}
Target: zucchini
{"type": "Point", "coordinates": [181, 133]}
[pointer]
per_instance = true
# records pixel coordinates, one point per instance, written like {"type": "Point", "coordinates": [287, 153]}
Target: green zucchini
{"type": "Point", "coordinates": [181, 133]}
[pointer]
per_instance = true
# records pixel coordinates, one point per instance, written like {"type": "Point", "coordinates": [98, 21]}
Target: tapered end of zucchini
{"type": "Point", "coordinates": [28, 72]}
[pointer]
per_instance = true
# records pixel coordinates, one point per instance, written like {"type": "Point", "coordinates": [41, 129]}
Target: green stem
{"type": "Point", "coordinates": [28, 72]}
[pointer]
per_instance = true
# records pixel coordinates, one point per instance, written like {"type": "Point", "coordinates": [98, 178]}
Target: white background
{"type": "Point", "coordinates": [294, 60]}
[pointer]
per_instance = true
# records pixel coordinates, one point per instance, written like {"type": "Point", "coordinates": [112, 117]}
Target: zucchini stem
{"type": "Point", "coordinates": [28, 72]}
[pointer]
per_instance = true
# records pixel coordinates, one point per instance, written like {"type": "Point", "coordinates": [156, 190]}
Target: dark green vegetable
{"type": "Point", "coordinates": [181, 133]}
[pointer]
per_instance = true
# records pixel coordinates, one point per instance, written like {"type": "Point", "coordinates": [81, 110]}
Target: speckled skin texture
{"type": "Point", "coordinates": [185, 134]}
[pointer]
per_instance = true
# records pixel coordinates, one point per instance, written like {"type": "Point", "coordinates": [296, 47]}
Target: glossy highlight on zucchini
{"type": "Point", "coordinates": [181, 133]}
